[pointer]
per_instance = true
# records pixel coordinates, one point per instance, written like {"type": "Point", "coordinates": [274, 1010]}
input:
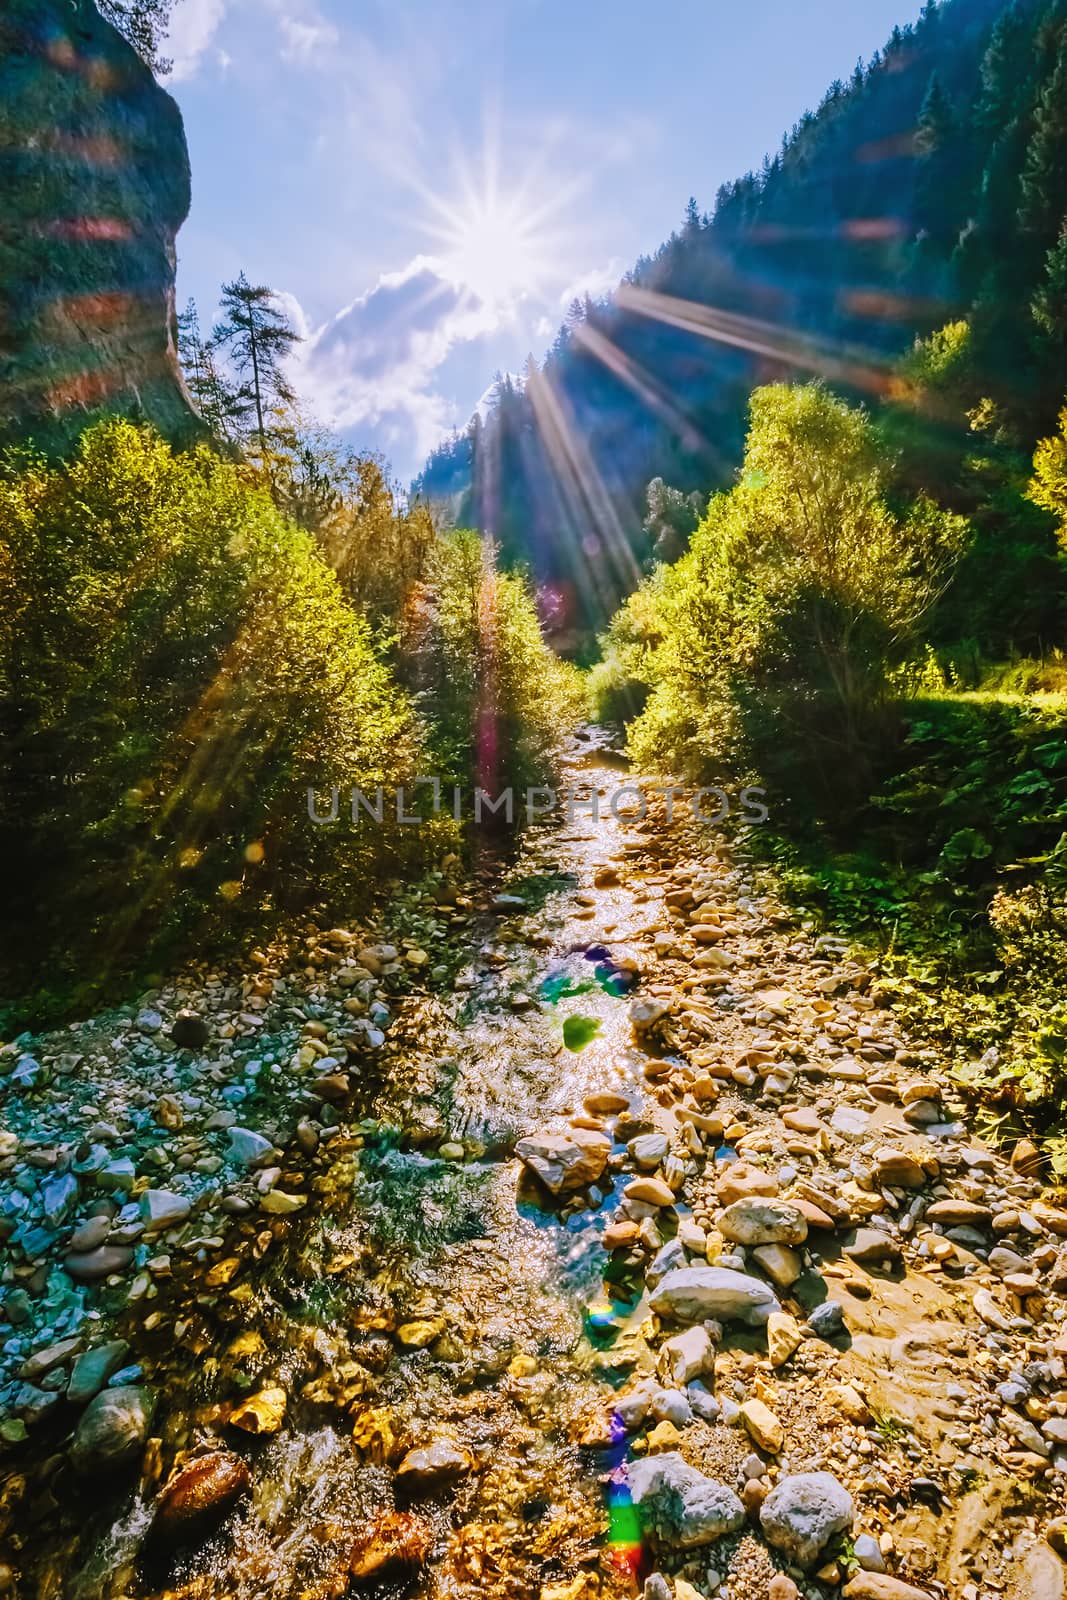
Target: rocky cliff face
{"type": "Point", "coordinates": [94, 174]}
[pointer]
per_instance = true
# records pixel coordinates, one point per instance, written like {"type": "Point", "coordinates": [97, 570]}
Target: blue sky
{"type": "Point", "coordinates": [429, 182]}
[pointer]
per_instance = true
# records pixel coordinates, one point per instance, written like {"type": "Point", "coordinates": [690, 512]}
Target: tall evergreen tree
{"type": "Point", "coordinates": [212, 396]}
{"type": "Point", "coordinates": [1043, 185]}
{"type": "Point", "coordinates": [257, 335]}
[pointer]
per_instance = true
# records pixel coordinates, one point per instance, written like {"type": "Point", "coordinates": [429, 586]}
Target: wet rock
{"type": "Point", "coordinates": [697, 1294]}
{"type": "Point", "coordinates": [190, 1031]}
{"type": "Point", "coordinates": [606, 1103]}
{"type": "Point", "coordinates": [307, 1136]}
{"type": "Point", "coordinates": [679, 1506]}
{"type": "Point", "coordinates": [261, 1413]}
{"type": "Point", "coordinates": [197, 1497]}
{"type": "Point", "coordinates": [93, 1368]}
{"type": "Point", "coordinates": [91, 1265]}
{"type": "Point", "coordinates": [648, 1150]}
{"type": "Point", "coordinates": [112, 1430]}
{"type": "Point", "coordinates": [565, 1162]}
{"type": "Point", "coordinates": [621, 1235]}
{"type": "Point", "coordinates": [279, 1203]}
{"type": "Point", "coordinates": [754, 1221]}
{"type": "Point", "coordinates": [397, 1542]}
{"type": "Point", "coordinates": [657, 1587]}
{"type": "Point", "coordinates": [803, 1513]}
{"type": "Point", "coordinates": [782, 1587]}
{"type": "Point", "coordinates": [429, 1467]}
{"type": "Point", "coordinates": [44, 1361]}
{"type": "Point", "coordinates": [647, 1014]}
{"type": "Point", "coordinates": [650, 1192]}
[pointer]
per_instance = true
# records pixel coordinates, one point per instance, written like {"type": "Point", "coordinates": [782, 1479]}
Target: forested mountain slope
{"type": "Point", "coordinates": [931, 185]}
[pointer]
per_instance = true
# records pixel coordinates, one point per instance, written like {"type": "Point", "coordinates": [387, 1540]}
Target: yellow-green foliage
{"type": "Point", "coordinates": [772, 636]}
{"type": "Point", "coordinates": [177, 666]}
{"type": "Point", "coordinates": [501, 701]}
{"type": "Point", "coordinates": [1048, 488]}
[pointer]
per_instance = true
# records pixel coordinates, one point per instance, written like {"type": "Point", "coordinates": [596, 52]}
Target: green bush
{"type": "Point", "coordinates": [772, 639]}
{"type": "Point", "coordinates": [177, 666]}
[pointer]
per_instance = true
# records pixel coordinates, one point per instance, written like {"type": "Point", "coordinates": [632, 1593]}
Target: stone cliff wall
{"type": "Point", "coordinates": [94, 184]}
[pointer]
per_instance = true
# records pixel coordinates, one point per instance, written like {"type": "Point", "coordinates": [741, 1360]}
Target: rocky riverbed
{"type": "Point", "coordinates": [588, 1231]}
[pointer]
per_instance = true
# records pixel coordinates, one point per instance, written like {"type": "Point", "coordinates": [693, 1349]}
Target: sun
{"type": "Point", "coordinates": [499, 238]}
{"type": "Point", "coordinates": [491, 249]}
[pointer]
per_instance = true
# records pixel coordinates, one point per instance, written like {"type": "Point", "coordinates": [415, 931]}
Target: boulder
{"type": "Point", "coordinates": [803, 1513]}
{"type": "Point", "coordinates": [650, 1192]}
{"type": "Point", "coordinates": [687, 1355]}
{"type": "Point", "coordinates": [197, 1497]}
{"type": "Point", "coordinates": [880, 1586]}
{"type": "Point", "coordinates": [565, 1161]}
{"type": "Point", "coordinates": [697, 1294]}
{"type": "Point", "coordinates": [784, 1337]}
{"type": "Point", "coordinates": [247, 1147]}
{"type": "Point", "coordinates": [873, 1248]}
{"type": "Point", "coordinates": [680, 1507]}
{"type": "Point", "coordinates": [161, 1208]}
{"type": "Point", "coordinates": [89, 1266]}
{"type": "Point", "coordinates": [741, 1182]}
{"type": "Point", "coordinates": [898, 1169]}
{"type": "Point", "coordinates": [112, 1430]}
{"type": "Point", "coordinates": [781, 1264]}
{"type": "Point", "coordinates": [753, 1221]}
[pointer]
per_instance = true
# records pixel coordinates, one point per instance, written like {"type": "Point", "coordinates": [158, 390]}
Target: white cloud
{"type": "Point", "coordinates": [595, 283]}
{"type": "Point", "coordinates": [306, 33]}
{"type": "Point", "coordinates": [372, 366]}
{"type": "Point", "coordinates": [192, 29]}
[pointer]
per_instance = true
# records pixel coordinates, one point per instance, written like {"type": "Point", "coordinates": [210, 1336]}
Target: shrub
{"type": "Point", "coordinates": [177, 666]}
{"type": "Point", "coordinates": [773, 636]}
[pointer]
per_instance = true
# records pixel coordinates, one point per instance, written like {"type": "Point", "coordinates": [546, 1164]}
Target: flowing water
{"type": "Point", "coordinates": [417, 1296]}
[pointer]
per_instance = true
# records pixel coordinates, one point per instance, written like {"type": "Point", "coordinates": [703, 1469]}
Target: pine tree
{"type": "Point", "coordinates": [1050, 302]}
{"type": "Point", "coordinates": [1043, 185]}
{"type": "Point", "coordinates": [212, 397]}
{"type": "Point", "coordinates": [256, 334]}
{"type": "Point", "coordinates": [940, 190]}
{"type": "Point", "coordinates": [1004, 71]}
